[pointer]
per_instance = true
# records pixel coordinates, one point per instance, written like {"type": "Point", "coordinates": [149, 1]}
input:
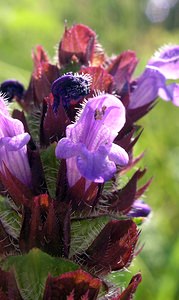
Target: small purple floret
{"type": "Point", "coordinates": [13, 149]}
{"type": "Point", "coordinates": [139, 209]}
{"type": "Point", "coordinates": [11, 89]}
{"type": "Point", "coordinates": [88, 147]}
{"type": "Point", "coordinates": [70, 87]}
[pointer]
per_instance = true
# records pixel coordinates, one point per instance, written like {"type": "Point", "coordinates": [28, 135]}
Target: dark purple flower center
{"type": "Point", "coordinates": [70, 87]}
{"type": "Point", "coordinates": [11, 89]}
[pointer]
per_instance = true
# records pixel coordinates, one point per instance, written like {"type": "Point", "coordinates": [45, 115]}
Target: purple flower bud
{"type": "Point", "coordinates": [70, 87]}
{"type": "Point", "coordinates": [88, 147]}
{"type": "Point", "coordinates": [139, 209]}
{"type": "Point", "coordinates": [13, 150]}
{"type": "Point", "coordinates": [11, 89]}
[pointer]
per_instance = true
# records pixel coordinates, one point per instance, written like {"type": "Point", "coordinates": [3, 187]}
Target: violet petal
{"type": "Point", "coordinates": [166, 61]}
{"type": "Point", "coordinates": [66, 149]}
{"type": "Point", "coordinates": [3, 106]}
{"type": "Point", "coordinates": [118, 155]}
{"type": "Point", "coordinates": [16, 142]}
{"type": "Point", "coordinates": [146, 89]}
{"type": "Point", "coordinates": [170, 92]}
{"type": "Point", "coordinates": [96, 166]}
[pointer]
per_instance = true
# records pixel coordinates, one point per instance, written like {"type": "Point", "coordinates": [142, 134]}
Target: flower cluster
{"type": "Point", "coordinates": [63, 153]}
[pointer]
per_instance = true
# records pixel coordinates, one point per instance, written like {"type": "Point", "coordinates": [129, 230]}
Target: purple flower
{"type": "Point", "coordinates": [88, 147]}
{"type": "Point", "coordinates": [69, 88]}
{"type": "Point", "coordinates": [139, 209]}
{"type": "Point", "coordinates": [12, 89]}
{"type": "Point", "coordinates": [152, 83]}
{"type": "Point", "coordinates": [146, 88]}
{"type": "Point", "coordinates": [13, 150]}
{"type": "Point", "coordinates": [166, 61]}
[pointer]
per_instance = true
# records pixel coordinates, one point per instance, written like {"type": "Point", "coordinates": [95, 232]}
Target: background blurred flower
{"type": "Point", "coordinates": [164, 65]}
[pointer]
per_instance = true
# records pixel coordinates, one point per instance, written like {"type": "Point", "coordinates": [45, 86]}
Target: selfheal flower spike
{"type": "Point", "coordinates": [69, 88]}
{"type": "Point", "coordinates": [12, 89]}
{"type": "Point", "coordinates": [88, 147]}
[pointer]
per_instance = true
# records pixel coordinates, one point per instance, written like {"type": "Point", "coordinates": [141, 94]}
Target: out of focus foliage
{"type": "Point", "coordinates": [120, 25]}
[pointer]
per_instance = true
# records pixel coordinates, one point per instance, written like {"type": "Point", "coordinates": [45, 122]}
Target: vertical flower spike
{"type": "Point", "coordinates": [13, 150]}
{"type": "Point", "coordinates": [88, 147]}
{"type": "Point", "coordinates": [12, 89]}
{"type": "Point", "coordinates": [69, 88]}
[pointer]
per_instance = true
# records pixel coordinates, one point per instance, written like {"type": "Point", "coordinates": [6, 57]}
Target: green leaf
{"type": "Point", "coordinates": [31, 271]}
{"type": "Point", "coordinates": [33, 121]}
{"type": "Point", "coordinates": [10, 218]}
{"type": "Point", "coordinates": [83, 233]}
{"type": "Point", "coordinates": [50, 166]}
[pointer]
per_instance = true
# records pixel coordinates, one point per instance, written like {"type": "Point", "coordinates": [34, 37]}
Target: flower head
{"type": "Point", "coordinates": [152, 83]}
{"type": "Point", "coordinates": [70, 87]}
{"type": "Point", "coordinates": [166, 60]}
{"type": "Point", "coordinates": [13, 150]}
{"type": "Point", "coordinates": [12, 89]}
{"type": "Point", "coordinates": [88, 146]}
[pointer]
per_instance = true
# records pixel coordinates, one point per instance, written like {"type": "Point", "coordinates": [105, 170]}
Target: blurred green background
{"type": "Point", "coordinates": [143, 26]}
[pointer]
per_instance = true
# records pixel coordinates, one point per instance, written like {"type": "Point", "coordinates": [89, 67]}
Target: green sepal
{"type": "Point", "coordinates": [83, 232]}
{"type": "Point", "coordinates": [10, 218]}
{"type": "Point", "coordinates": [50, 167]}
